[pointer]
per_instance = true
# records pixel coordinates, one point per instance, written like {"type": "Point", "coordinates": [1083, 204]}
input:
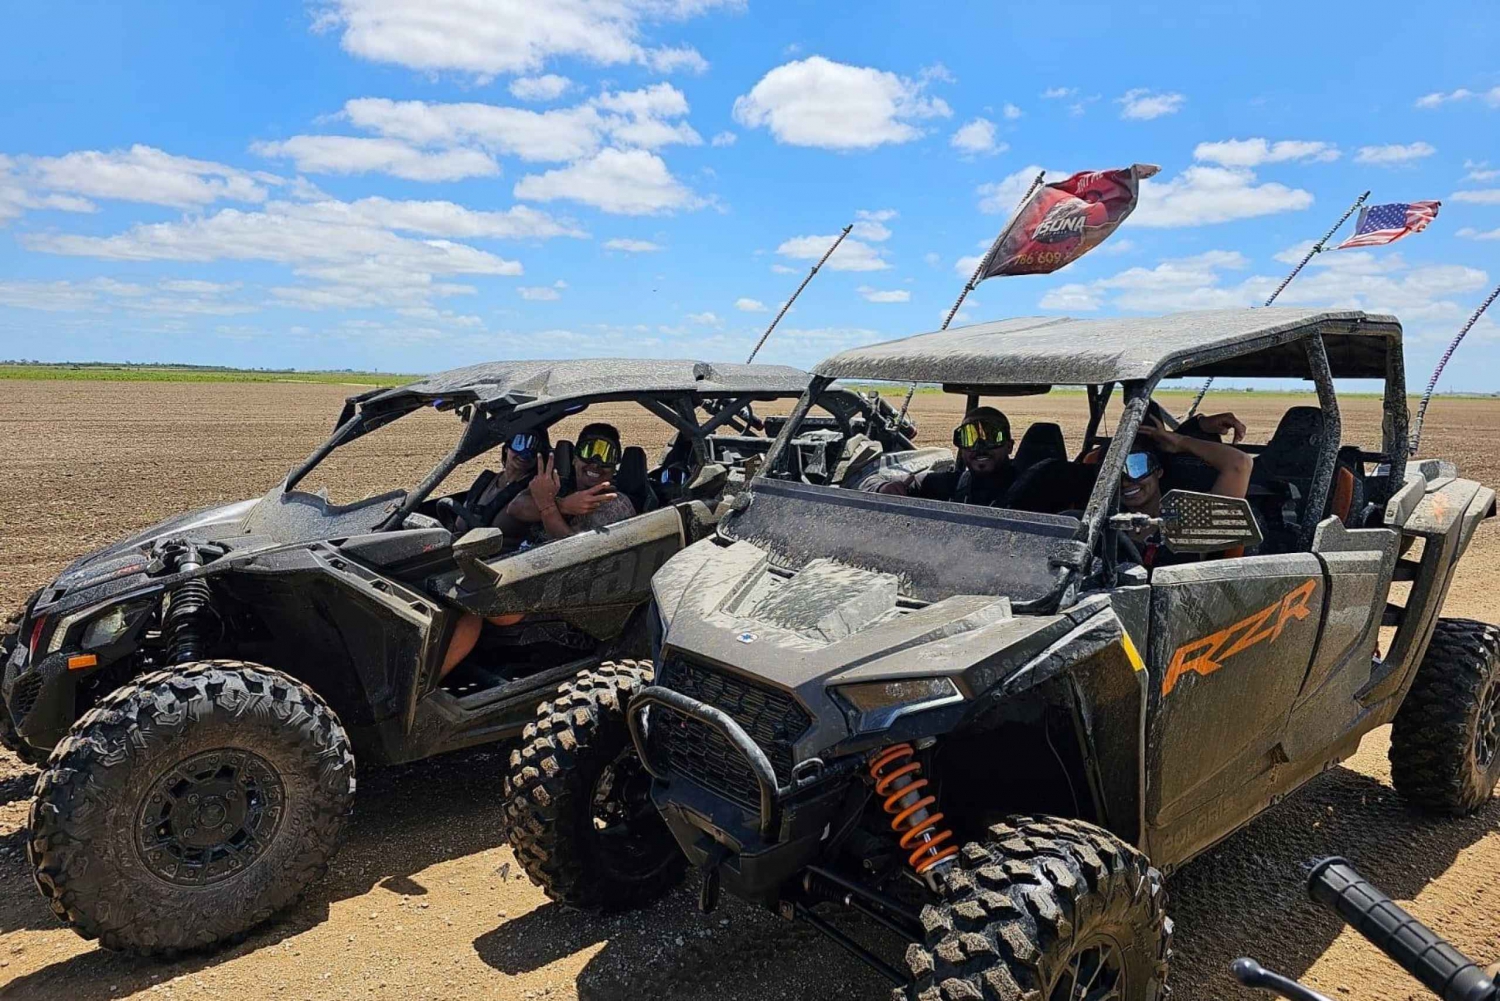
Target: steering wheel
{"type": "Point", "coordinates": [449, 511]}
{"type": "Point", "coordinates": [1127, 549]}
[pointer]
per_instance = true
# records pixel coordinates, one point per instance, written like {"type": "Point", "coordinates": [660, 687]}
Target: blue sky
{"type": "Point", "coordinates": [413, 184]}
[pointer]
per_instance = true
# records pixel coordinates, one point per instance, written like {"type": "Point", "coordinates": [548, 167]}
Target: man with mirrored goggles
{"type": "Point", "coordinates": [555, 510]}
{"type": "Point", "coordinates": [984, 471]}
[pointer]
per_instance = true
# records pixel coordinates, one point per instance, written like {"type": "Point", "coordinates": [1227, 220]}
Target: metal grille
{"type": "Point", "coordinates": [773, 720]}
{"type": "Point", "coordinates": [23, 696]}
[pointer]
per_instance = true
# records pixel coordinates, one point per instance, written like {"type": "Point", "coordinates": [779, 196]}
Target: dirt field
{"type": "Point", "coordinates": [425, 901]}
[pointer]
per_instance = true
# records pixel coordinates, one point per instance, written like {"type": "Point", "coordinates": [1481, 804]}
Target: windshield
{"type": "Point", "coordinates": [394, 457]}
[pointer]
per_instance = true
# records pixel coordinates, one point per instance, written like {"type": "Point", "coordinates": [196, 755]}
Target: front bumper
{"type": "Point", "coordinates": [40, 696]}
{"type": "Point", "coordinates": [756, 851]}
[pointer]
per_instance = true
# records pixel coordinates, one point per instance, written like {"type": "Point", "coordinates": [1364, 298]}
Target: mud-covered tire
{"type": "Point", "coordinates": [1445, 744]}
{"type": "Point", "coordinates": [10, 635]}
{"type": "Point", "coordinates": [251, 756]}
{"type": "Point", "coordinates": [1038, 896]}
{"type": "Point", "coordinates": [579, 742]}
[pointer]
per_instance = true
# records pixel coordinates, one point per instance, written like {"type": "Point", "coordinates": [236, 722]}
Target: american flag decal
{"type": "Point", "coordinates": [1382, 224]}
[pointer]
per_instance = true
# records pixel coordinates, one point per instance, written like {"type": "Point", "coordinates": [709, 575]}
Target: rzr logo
{"type": "Point", "coordinates": [1207, 655]}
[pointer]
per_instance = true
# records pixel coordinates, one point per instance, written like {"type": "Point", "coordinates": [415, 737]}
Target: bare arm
{"type": "Point", "coordinates": [1232, 465]}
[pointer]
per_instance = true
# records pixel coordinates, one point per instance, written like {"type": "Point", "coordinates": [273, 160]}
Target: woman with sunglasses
{"type": "Point", "coordinates": [493, 491]}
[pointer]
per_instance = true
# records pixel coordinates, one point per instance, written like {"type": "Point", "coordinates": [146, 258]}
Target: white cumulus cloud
{"type": "Point", "coordinates": [884, 295]}
{"type": "Point", "coordinates": [489, 37]}
{"type": "Point", "coordinates": [852, 255]}
{"type": "Point", "coordinates": [620, 181]}
{"type": "Point", "coordinates": [1394, 155]}
{"type": "Point", "coordinates": [363, 155]}
{"type": "Point", "coordinates": [142, 174]}
{"type": "Point", "coordinates": [1202, 195]}
{"type": "Point", "coordinates": [630, 246]}
{"type": "Point", "coordinates": [547, 87]}
{"type": "Point", "coordinates": [1478, 196]}
{"type": "Point", "coordinates": [1254, 152]}
{"type": "Point", "coordinates": [745, 305]}
{"type": "Point", "coordinates": [539, 293]}
{"type": "Point", "coordinates": [821, 103]}
{"type": "Point", "coordinates": [977, 136]}
{"type": "Point", "coordinates": [1142, 104]}
{"type": "Point", "coordinates": [1437, 99]}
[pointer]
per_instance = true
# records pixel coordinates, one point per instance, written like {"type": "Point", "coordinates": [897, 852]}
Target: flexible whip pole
{"type": "Point", "coordinates": [788, 304]}
{"type": "Point", "coordinates": [974, 280]}
{"type": "Point", "coordinates": [1317, 248]}
{"type": "Point", "coordinates": [1416, 434]}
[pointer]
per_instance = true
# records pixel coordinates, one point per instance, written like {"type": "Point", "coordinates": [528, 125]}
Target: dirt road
{"type": "Point", "coordinates": [426, 902]}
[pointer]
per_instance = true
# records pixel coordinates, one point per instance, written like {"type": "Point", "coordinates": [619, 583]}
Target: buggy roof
{"type": "Point", "coordinates": [518, 384]}
{"type": "Point", "coordinates": [1041, 351]}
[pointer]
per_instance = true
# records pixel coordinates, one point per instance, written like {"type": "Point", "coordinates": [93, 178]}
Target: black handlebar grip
{"type": "Point", "coordinates": [1421, 952]}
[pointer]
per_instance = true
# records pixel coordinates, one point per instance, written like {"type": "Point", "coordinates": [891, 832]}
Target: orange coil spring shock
{"type": "Point", "coordinates": [896, 773]}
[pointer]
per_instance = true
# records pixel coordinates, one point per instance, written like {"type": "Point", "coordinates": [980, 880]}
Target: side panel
{"type": "Point", "coordinates": [609, 567]}
{"type": "Point", "coordinates": [1360, 565]}
{"type": "Point", "coordinates": [1231, 641]}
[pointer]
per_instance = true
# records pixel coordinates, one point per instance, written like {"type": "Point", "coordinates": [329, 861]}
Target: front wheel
{"type": "Point", "coordinates": [190, 806]}
{"type": "Point", "coordinates": [1046, 910]}
{"type": "Point", "coordinates": [578, 810]}
{"type": "Point", "coordinates": [1445, 745]}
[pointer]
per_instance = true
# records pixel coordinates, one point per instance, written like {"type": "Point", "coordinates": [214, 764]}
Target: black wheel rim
{"type": "Point", "coordinates": [1487, 735]}
{"type": "Point", "coordinates": [626, 826]}
{"type": "Point", "coordinates": [210, 817]}
{"type": "Point", "coordinates": [1095, 972]}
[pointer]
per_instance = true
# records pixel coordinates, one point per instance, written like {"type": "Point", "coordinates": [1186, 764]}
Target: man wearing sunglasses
{"type": "Point", "coordinates": [984, 445]}
{"type": "Point", "coordinates": [593, 501]}
{"type": "Point", "coordinates": [1145, 479]}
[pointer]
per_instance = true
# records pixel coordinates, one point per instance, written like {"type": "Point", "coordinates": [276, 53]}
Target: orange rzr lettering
{"type": "Point", "coordinates": [1205, 656]}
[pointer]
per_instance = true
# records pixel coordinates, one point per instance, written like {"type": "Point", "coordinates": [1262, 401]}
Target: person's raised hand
{"type": "Point", "coordinates": [587, 501]}
{"type": "Point", "coordinates": [1161, 439]}
{"type": "Point", "coordinates": [1223, 424]}
{"type": "Point", "coordinates": [545, 484]}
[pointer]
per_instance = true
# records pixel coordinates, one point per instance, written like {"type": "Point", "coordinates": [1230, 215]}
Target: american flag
{"type": "Point", "coordinates": [1382, 224]}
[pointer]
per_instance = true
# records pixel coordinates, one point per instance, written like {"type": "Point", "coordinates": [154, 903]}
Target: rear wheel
{"type": "Point", "coordinates": [578, 808]}
{"type": "Point", "coordinates": [1445, 745]}
{"type": "Point", "coordinates": [1046, 910]}
{"type": "Point", "coordinates": [188, 807]}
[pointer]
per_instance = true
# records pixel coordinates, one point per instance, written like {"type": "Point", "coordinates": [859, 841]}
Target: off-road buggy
{"type": "Point", "coordinates": [991, 730]}
{"type": "Point", "coordinates": [205, 686]}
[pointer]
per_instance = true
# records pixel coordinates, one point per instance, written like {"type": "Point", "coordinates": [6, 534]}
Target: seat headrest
{"type": "Point", "coordinates": [630, 478]}
{"type": "Point", "coordinates": [1300, 427]}
{"type": "Point", "coordinates": [1043, 440]}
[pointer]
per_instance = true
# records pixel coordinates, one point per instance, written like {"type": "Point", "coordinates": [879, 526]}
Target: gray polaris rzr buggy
{"type": "Point", "coordinates": [205, 686]}
{"type": "Point", "coordinates": [990, 730]}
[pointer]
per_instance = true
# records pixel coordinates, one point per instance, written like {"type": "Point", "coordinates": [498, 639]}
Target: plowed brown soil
{"type": "Point", "coordinates": [425, 900]}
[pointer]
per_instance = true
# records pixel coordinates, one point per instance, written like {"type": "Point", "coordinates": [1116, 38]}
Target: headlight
{"type": "Point", "coordinates": [878, 704]}
{"type": "Point", "coordinates": [114, 623]}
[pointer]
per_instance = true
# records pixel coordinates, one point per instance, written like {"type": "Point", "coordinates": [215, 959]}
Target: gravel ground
{"type": "Point", "coordinates": [425, 901]}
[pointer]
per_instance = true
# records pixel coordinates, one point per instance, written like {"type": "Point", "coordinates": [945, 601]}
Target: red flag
{"type": "Point", "coordinates": [1064, 220]}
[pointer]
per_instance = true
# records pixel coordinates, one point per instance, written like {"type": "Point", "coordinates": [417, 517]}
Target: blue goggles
{"type": "Point", "coordinates": [525, 445]}
{"type": "Point", "coordinates": [1139, 465]}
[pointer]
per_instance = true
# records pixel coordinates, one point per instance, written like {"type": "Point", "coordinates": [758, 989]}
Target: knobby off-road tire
{"type": "Point", "coordinates": [189, 807]}
{"type": "Point", "coordinates": [10, 635]}
{"type": "Point", "coordinates": [1445, 745]}
{"type": "Point", "coordinates": [1037, 901]}
{"type": "Point", "coordinates": [578, 810]}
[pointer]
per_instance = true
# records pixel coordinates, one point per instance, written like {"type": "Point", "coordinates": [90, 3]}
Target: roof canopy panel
{"type": "Point", "coordinates": [533, 383]}
{"type": "Point", "coordinates": [1065, 351]}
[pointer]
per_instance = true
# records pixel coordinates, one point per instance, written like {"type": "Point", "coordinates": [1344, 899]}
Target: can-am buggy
{"type": "Point", "coordinates": [205, 686]}
{"type": "Point", "coordinates": [992, 729]}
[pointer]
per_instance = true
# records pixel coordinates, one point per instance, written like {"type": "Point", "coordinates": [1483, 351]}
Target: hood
{"type": "Point", "coordinates": [810, 630]}
{"type": "Point", "coordinates": [129, 554]}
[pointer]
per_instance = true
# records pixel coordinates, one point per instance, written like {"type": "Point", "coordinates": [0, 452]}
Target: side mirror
{"type": "Point", "coordinates": [470, 552]}
{"type": "Point", "coordinates": [1207, 523]}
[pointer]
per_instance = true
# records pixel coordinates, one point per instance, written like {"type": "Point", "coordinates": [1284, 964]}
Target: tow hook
{"type": "Point", "coordinates": [708, 893]}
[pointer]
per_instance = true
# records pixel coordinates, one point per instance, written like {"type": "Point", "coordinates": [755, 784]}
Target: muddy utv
{"type": "Point", "coordinates": [992, 730]}
{"type": "Point", "coordinates": [205, 686]}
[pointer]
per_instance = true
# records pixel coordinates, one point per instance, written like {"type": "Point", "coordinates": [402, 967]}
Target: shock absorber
{"type": "Point", "coordinates": [189, 620]}
{"type": "Point", "coordinates": [897, 774]}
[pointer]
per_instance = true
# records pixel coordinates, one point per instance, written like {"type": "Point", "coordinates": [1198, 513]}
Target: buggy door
{"type": "Point", "coordinates": [594, 580]}
{"type": "Point", "coordinates": [1230, 645]}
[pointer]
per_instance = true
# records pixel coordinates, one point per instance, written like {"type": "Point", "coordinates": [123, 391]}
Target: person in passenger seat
{"type": "Point", "coordinates": [592, 503]}
{"type": "Point", "coordinates": [1144, 480]}
{"type": "Point", "coordinates": [984, 448]}
{"type": "Point", "coordinates": [518, 464]}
